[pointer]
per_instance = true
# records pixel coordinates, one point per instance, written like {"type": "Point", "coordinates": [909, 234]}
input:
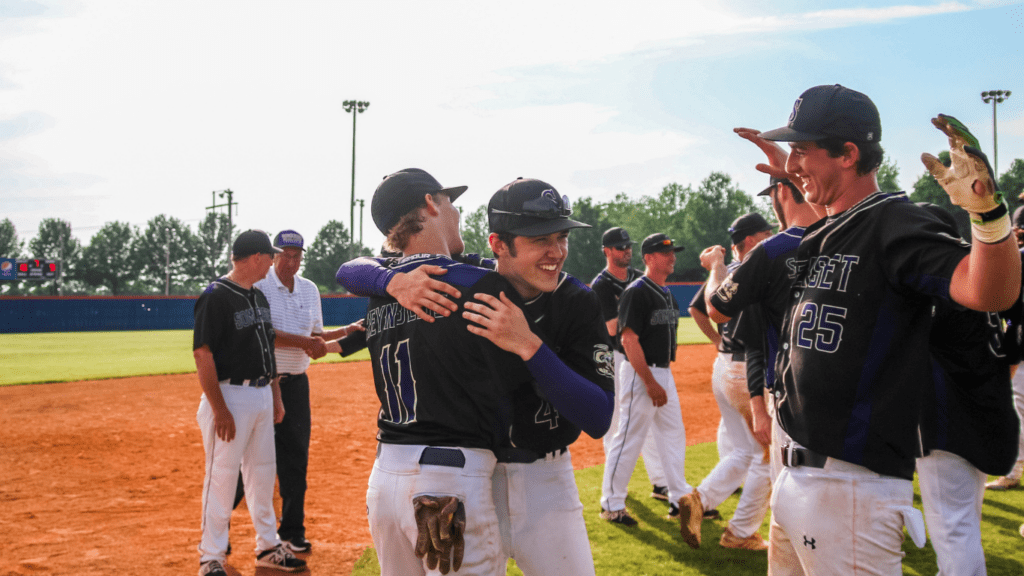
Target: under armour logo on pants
{"type": "Point", "coordinates": [809, 542]}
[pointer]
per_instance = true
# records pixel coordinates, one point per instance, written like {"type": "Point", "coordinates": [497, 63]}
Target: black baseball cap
{"type": "Point", "coordinates": [830, 111]}
{"type": "Point", "coordinates": [658, 243]}
{"type": "Point", "coordinates": [288, 239]}
{"type": "Point", "coordinates": [252, 242]}
{"type": "Point", "coordinates": [402, 192]}
{"type": "Point", "coordinates": [746, 225]}
{"type": "Point", "coordinates": [616, 238]}
{"type": "Point", "coordinates": [774, 182]}
{"type": "Point", "coordinates": [528, 207]}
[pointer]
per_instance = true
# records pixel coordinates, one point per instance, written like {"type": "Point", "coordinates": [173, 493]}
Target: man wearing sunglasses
{"type": "Point", "coordinates": [560, 337]}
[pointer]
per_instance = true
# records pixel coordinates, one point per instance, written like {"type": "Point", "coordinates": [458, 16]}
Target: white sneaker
{"type": "Point", "coordinates": [280, 558]}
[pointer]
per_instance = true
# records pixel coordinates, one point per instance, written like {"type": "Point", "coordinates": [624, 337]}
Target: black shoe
{"type": "Point", "coordinates": [712, 514]}
{"type": "Point", "coordinates": [298, 545]}
{"type": "Point", "coordinates": [280, 558]}
{"type": "Point", "coordinates": [212, 568]}
{"type": "Point", "coordinates": [673, 512]}
{"type": "Point", "coordinates": [659, 492]}
{"type": "Point", "coordinates": [618, 517]}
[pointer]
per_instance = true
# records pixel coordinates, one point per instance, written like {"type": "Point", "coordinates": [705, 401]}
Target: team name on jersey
{"type": "Point", "coordinates": [388, 316]}
{"type": "Point", "coordinates": [250, 316]}
{"type": "Point", "coordinates": [824, 272]}
{"type": "Point", "coordinates": [664, 317]}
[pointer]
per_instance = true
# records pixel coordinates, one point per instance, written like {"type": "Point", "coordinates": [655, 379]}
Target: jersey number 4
{"type": "Point", "coordinates": [399, 384]}
{"type": "Point", "coordinates": [820, 327]}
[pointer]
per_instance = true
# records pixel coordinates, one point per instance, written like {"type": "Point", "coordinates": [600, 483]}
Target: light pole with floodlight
{"type": "Point", "coordinates": [995, 97]}
{"type": "Point", "coordinates": [355, 107]}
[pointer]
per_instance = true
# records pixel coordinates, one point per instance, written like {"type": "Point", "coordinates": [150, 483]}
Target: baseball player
{"type": "Point", "coordinates": [746, 464]}
{"type": "Point", "coordinates": [608, 285]}
{"type": "Point", "coordinates": [443, 391]}
{"type": "Point", "coordinates": [854, 359]}
{"type": "Point", "coordinates": [299, 327]}
{"type": "Point", "coordinates": [648, 317]}
{"type": "Point", "coordinates": [572, 390]}
{"type": "Point", "coordinates": [233, 343]}
{"type": "Point", "coordinates": [968, 426]}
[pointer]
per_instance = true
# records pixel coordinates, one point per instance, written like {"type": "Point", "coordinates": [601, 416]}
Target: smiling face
{"type": "Point", "coordinates": [620, 257]}
{"type": "Point", "coordinates": [660, 263]}
{"type": "Point", "coordinates": [822, 175]}
{"type": "Point", "coordinates": [533, 263]}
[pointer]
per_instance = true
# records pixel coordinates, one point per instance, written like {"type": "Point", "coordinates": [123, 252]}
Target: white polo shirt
{"type": "Point", "coordinates": [295, 312]}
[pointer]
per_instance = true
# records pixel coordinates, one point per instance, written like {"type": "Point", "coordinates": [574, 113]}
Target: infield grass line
{"type": "Point", "coordinates": [655, 547]}
{"type": "Point", "coordinates": [72, 356]}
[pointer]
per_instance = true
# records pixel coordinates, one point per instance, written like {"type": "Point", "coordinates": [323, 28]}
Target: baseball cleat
{"type": "Point", "coordinates": [691, 514]}
{"type": "Point", "coordinates": [1003, 483]}
{"type": "Point", "coordinates": [280, 558]}
{"type": "Point", "coordinates": [712, 514]}
{"type": "Point", "coordinates": [673, 512]}
{"type": "Point", "coordinates": [752, 542]}
{"type": "Point", "coordinates": [298, 545]}
{"type": "Point", "coordinates": [212, 568]}
{"type": "Point", "coordinates": [659, 492]}
{"type": "Point", "coordinates": [618, 517]}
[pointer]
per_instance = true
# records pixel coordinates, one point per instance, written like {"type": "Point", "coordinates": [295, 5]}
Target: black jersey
{"type": "Point", "coordinates": [438, 383]}
{"type": "Point", "coordinates": [730, 343]}
{"type": "Point", "coordinates": [765, 278]}
{"type": "Point", "coordinates": [968, 407]}
{"type": "Point", "coordinates": [568, 320]}
{"type": "Point", "coordinates": [609, 289]}
{"type": "Point", "coordinates": [235, 323]}
{"type": "Point", "coordinates": [651, 311]}
{"type": "Point", "coordinates": [854, 356]}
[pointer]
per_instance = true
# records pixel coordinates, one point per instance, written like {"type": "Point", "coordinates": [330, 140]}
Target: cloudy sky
{"type": "Point", "coordinates": [122, 110]}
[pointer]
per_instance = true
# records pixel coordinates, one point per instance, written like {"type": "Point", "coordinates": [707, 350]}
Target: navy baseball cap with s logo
{"type": "Point", "coordinates": [830, 111]}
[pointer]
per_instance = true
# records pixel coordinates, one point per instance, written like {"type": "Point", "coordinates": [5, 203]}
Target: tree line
{"type": "Point", "coordinates": [168, 256]}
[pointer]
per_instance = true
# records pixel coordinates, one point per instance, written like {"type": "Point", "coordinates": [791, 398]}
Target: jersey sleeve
{"type": "Point", "coordinates": [365, 276]}
{"type": "Point", "coordinates": [634, 310]}
{"type": "Point", "coordinates": [606, 299]}
{"type": "Point", "coordinates": [743, 286]}
{"type": "Point", "coordinates": [920, 252]}
{"type": "Point", "coordinates": [699, 302]}
{"type": "Point", "coordinates": [208, 321]}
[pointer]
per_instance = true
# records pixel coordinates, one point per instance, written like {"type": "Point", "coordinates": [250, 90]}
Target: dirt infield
{"type": "Point", "coordinates": [104, 477]}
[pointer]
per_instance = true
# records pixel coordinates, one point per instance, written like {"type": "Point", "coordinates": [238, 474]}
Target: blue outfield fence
{"type": "Point", "coordinates": [25, 314]}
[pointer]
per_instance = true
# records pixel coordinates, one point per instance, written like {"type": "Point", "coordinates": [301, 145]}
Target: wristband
{"type": "Point", "coordinates": [992, 215]}
{"type": "Point", "coordinates": [991, 227]}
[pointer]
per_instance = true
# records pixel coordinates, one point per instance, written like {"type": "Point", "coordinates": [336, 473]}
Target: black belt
{"type": "Point", "coordinates": [739, 357]}
{"type": "Point", "coordinates": [289, 375]}
{"type": "Point", "coordinates": [451, 457]}
{"type": "Point", "coordinates": [523, 456]}
{"type": "Point", "coordinates": [254, 382]}
{"type": "Point", "coordinates": [795, 455]}
{"type": "Point", "coordinates": [660, 365]}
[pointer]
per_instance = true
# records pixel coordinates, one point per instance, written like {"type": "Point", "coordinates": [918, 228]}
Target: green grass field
{"type": "Point", "coordinates": [71, 356]}
{"type": "Point", "coordinates": [655, 547]}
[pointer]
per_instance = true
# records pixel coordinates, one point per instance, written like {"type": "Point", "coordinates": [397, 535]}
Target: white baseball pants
{"type": "Point", "coordinates": [637, 416]}
{"type": "Point", "coordinates": [540, 518]}
{"type": "Point", "coordinates": [655, 472]}
{"type": "Point", "coordinates": [252, 450]}
{"type": "Point", "coordinates": [952, 490]}
{"type": "Point", "coordinates": [398, 477]}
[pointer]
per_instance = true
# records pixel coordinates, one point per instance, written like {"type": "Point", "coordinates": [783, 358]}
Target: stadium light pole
{"type": "Point", "coordinates": [362, 204]}
{"type": "Point", "coordinates": [356, 108]}
{"type": "Point", "coordinates": [995, 97]}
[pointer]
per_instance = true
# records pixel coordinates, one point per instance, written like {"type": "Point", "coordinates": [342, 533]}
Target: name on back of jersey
{"type": "Point", "coordinates": [825, 272]}
{"type": "Point", "coordinates": [388, 316]}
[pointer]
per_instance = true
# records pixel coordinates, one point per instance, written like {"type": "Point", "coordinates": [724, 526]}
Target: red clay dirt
{"type": "Point", "coordinates": [104, 477]}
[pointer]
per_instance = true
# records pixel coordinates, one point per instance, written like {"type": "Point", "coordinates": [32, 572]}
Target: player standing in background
{"type": "Point", "coordinates": [968, 426]}
{"type": "Point", "coordinates": [533, 482]}
{"type": "Point", "coordinates": [299, 327]}
{"type": "Point", "coordinates": [866, 277]}
{"type": "Point", "coordinates": [648, 318]}
{"type": "Point", "coordinates": [233, 343]}
{"type": "Point", "coordinates": [747, 463]}
{"type": "Point", "coordinates": [608, 285]}
{"type": "Point", "coordinates": [443, 391]}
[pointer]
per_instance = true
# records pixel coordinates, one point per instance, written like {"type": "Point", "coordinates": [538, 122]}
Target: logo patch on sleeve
{"type": "Point", "coordinates": [604, 360]}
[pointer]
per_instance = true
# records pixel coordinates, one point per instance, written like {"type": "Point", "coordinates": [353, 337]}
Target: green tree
{"type": "Point", "coordinates": [1011, 183]}
{"type": "Point", "coordinates": [586, 258]}
{"type": "Point", "coordinates": [10, 245]}
{"type": "Point", "coordinates": [705, 221]}
{"type": "Point", "coordinates": [214, 246]}
{"type": "Point", "coordinates": [166, 255]}
{"type": "Point", "coordinates": [475, 231]}
{"type": "Point", "coordinates": [55, 242]}
{"type": "Point", "coordinates": [108, 259]}
{"type": "Point", "coordinates": [888, 176]}
{"type": "Point", "coordinates": [329, 250]}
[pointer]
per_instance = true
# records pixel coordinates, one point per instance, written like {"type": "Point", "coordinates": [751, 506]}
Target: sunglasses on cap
{"type": "Point", "coordinates": [548, 205]}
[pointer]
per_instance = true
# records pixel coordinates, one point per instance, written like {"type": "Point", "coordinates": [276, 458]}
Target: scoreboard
{"type": "Point", "coordinates": [37, 269]}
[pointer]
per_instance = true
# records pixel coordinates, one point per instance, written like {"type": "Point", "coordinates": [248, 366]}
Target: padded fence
{"type": "Point", "coordinates": [112, 313]}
